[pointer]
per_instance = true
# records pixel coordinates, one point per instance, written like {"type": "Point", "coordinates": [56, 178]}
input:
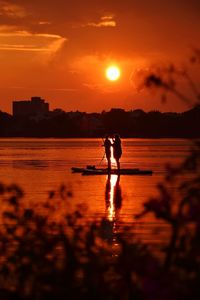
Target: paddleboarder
{"type": "Point", "coordinates": [117, 149]}
{"type": "Point", "coordinates": [107, 144]}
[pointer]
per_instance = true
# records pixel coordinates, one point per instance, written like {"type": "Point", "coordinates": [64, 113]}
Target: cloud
{"type": "Point", "coordinates": [44, 23]}
{"type": "Point", "coordinates": [105, 21]}
{"type": "Point", "coordinates": [12, 10]}
{"type": "Point", "coordinates": [7, 29]}
{"type": "Point", "coordinates": [103, 24]}
{"type": "Point", "coordinates": [62, 89]}
{"type": "Point", "coordinates": [44, 88]}
{"type": "Point", "coordinates": [93, 87]}
{"type": "Point", "coordinates": [26, 41]}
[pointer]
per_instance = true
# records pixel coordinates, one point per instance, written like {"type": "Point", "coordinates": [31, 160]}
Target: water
{"type": "Point", "coordinates": [41, 165]}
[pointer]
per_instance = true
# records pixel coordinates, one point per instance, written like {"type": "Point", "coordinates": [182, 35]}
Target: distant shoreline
{"type": "Point", "coordinates": [128, 124]}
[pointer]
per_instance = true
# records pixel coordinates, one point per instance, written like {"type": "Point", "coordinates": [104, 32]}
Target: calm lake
{"type": "Point", "coordinates": [42, 165]}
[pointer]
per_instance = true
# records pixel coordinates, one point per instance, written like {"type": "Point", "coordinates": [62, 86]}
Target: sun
{"type": "Point", "coordinates": [113, 73]}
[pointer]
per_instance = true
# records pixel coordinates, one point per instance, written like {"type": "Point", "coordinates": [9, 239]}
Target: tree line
{"type": "Point", "coordinates": [134, 123]}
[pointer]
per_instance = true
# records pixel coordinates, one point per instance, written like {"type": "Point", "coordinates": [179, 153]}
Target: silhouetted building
{"type": "Point", "coordinates": [33, 107]}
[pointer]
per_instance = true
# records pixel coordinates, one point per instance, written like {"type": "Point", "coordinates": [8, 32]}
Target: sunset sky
{"type": "Point", "coordinates": [60, 50]}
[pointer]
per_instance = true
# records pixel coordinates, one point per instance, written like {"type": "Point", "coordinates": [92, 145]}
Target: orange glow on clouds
{"type": "Point", "coordinates": [26, 41]}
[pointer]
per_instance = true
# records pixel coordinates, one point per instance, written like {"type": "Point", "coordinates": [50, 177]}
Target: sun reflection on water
{"type": "Point", "coordinates": [113, 197]}
{"type": "Point", "coordinates": [111, 208]}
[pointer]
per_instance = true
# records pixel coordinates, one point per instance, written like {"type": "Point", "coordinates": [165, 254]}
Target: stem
{"type": "Point", "coordinates": [171, 247]}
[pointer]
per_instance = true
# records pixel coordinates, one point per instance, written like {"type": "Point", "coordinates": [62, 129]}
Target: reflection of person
{"type": "Point", "coordinates": [117, 149]}
{"type": "Point", "coordinates": [107, 144]}
{"type": "Point", "coordinates": [117, 197]}
{"type": "Point", "coordinates": [107, 191]}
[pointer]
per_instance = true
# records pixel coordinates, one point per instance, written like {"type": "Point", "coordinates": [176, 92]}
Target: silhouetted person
{"type": "Point", "coordinates": [117, 150]}
{"type": "Point", "coordinates": [107, 144]}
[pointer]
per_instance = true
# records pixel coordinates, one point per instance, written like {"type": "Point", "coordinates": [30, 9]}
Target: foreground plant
{"type": "Point", "coordinates": [48, 251]}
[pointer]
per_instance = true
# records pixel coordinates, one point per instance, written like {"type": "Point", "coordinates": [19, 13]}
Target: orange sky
{"type": "Point", "coordinates": [59, 50]}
